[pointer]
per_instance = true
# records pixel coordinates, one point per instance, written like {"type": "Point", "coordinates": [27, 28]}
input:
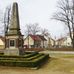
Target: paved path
{"type": "Point", "coordinates": [64, 52]}
{"type": "Point", "coordinates": [58, 54]}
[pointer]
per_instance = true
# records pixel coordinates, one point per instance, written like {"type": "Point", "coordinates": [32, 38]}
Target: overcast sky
{"type": "Point", "coordinates": [37, 11]}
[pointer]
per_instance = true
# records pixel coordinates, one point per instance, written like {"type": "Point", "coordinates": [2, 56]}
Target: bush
{"type": "Point", "coordinates": [1, 53]}
{"type": "Point", "coordinates": [41, 60]}
{"type": "Point", "coordinates": [22, 59]}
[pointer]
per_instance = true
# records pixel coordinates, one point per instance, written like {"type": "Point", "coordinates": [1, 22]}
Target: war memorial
{"type": "Point", "coordinates": [14, 38]}
{"type": "Point", "coordinates": [14, 55]}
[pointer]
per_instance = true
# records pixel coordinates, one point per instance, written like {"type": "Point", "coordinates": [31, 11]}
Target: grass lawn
{"type": "Point", "coordinates": [53, 66]}
{"type": "Point", "coordinates": [60, 55]}
{"type": "Point", "coordinates": [57, 64]}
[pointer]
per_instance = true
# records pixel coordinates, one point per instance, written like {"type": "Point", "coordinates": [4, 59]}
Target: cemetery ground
{"type": "Point", "coordinates": [59, 63]}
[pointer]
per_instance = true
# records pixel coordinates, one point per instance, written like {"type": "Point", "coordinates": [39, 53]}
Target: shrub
{"type": "Point", "coordinates": [1, 53]}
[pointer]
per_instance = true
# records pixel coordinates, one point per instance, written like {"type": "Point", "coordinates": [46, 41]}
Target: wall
{"type": "Point", "coordinates": [31, 41]}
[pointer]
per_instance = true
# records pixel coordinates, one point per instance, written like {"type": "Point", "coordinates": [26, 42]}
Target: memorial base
{"type": "Point", "coordinates": [11, 52]}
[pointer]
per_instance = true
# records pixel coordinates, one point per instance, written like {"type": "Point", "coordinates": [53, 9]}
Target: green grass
{"type": "Point", "coordinates": [69, 56]}
{"type": "Point", "coordinates": [61, 55]}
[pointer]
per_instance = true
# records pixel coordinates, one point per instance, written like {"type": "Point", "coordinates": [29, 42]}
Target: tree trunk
{"type": "Point", "coordinates": [73, 42]}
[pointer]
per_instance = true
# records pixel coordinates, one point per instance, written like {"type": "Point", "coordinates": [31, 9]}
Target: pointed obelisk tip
{"type": "Point", "coordinates": [14, 28]}
{"type": "Point", "coordinates": [15, 3]}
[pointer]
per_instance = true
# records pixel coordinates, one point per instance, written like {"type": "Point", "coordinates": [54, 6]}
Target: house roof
{"type": "Point", "coordinates": [52, 39]}
{"type": "Point", "coordinates": [2, 38]}
{"type": "Point", "coordinates": [38, 37]}
{"type": "Point", "coordinates": [35, 37]}
{"type": "Point", "coordinates": [62, 39]}
{"type": "Point", "coordinates": [42, 38]}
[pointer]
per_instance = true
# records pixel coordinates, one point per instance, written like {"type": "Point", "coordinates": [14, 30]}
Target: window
{"type": "Point", "coordinates": [68, 43]}
{"type": "Point", "coordinates": [12, 43]}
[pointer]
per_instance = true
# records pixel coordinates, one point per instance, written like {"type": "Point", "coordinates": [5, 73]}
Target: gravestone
{"type": "Point", "coordinates": [13, 37]}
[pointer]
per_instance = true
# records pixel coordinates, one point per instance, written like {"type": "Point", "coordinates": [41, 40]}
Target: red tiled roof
{"type": "Point", "coordinates": [35, 37]}
{"type": "Point", "coordinates": [42, 38]}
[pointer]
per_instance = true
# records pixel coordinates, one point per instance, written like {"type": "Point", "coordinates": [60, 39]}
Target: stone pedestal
{"type": "Point", "coordinates": [12, 52]}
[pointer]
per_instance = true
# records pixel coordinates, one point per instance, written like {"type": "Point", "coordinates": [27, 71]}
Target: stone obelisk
{"type": "Point", "coordinates": [14, 38]}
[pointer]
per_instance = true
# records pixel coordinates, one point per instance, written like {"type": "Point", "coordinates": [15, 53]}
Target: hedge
{"type": "Point", "coordinates": [36, 62]}
{"type": "Point", "coordinates": [26, 55]}
{"type": "Point", "coordinates": [22, 59]}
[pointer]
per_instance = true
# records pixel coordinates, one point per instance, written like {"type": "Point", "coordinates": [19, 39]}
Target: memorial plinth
{"type": "Point", "coordinates": [13, 37]}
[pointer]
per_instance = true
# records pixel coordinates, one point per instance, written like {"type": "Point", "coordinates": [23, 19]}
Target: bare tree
{"type": "Point", "coordinates": [65, 14]}
{"type": "Point", "coordinates": [1, 23]}
{"type": "Point", "coordinates": [45, 32]}
{"type": "Point", "coordinates": [1, 16]}
{"type": "Point", "coordinates": [7, 17]}
{"type": "Point", "coordinates": [28, 31]}
{"type": "Point", "coordinates": [32, 29]}
{"type": "Point", "coordinates": [4, 20]}
{"type": "Point", "coordinates": [35, 28]}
